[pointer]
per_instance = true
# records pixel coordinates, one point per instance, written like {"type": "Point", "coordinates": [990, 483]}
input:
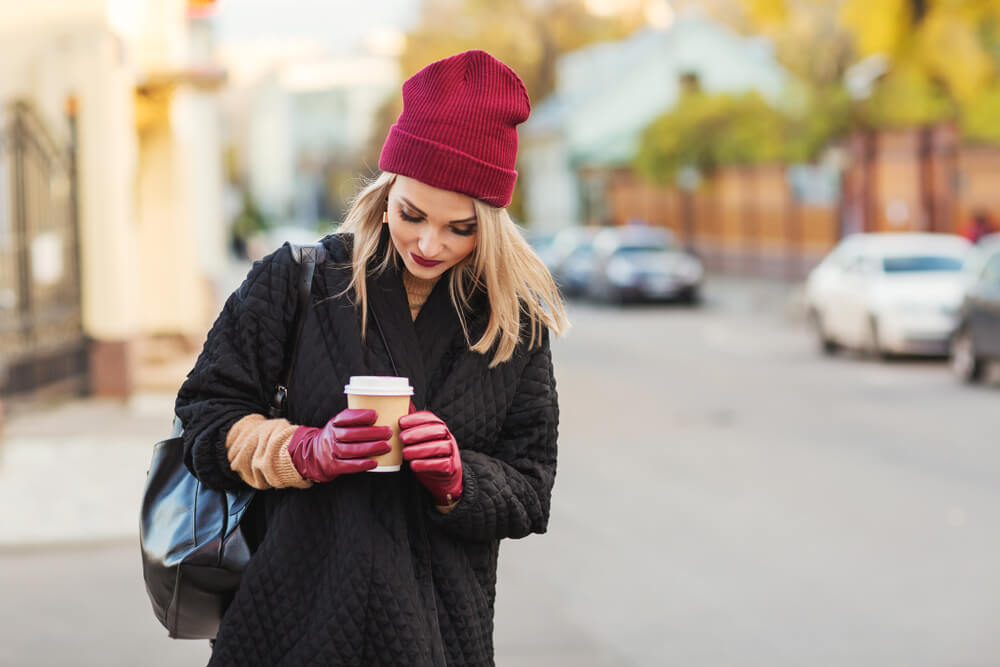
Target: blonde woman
{"type": "Point", "coordinates": [429, 279]}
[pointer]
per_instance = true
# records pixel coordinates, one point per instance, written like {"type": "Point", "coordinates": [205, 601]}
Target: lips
{"type": "Point", "coordinates": [423, 262]}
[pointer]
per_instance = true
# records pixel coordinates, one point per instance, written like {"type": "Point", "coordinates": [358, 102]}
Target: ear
{"type": "Point", "coordinates": [385, 217]}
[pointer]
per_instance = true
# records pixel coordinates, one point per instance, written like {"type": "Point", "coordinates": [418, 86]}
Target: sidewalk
{"type": "Point", "coordinates": [74, 471]}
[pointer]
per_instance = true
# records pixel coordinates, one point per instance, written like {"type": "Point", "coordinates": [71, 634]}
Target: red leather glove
{"type": "Point", "coordinates": [433, 455]}
{"type": "Point", "coordinates": [345, 445]}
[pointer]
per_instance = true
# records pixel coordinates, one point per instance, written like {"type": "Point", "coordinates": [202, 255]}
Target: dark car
{"type": "Point", "coordinates": [570, 258]}
{"type": "Point", "coordinates": [642, 263]}
{"type": "Point", "coordinates": [976, 342]}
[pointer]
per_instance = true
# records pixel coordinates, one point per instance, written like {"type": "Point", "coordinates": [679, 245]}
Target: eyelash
{"type": "Point", "coordinates": [455, 230]}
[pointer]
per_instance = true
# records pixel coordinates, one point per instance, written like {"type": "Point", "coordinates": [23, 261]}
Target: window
{"type": "Point", "coordinates": [921, 264]}
{"type": "Point", "coordinates": [991, 273]}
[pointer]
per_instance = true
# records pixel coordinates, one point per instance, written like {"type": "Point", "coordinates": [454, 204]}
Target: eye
{"type": "Point", "coordinates": [408, 217]}
{"type": "Point", "coordinates": [466, 231]}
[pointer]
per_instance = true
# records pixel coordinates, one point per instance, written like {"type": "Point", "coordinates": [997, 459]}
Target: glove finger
{"type": "Point", "coordinates": [434, 467]}
{"type": "Point", "coordinates": [362, 450]}
{"type": "Point", "coordinates": [423, 433]}
{"type": "Point", "coordinates": [361, 433]}
{"type": "Point", "coordinates": [327, 468]}
{"type": "Point", "coordinates": [349, 467]}
{"type": "Point", "coordinates": [427, 450]}
{"type": "Point", "coordinates": [418, 418]}
{"type": "Point", "coordinates": [351, 417]}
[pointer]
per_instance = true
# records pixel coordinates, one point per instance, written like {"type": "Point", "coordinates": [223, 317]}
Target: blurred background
{"type": "Point", "coordinates": [776, 225]}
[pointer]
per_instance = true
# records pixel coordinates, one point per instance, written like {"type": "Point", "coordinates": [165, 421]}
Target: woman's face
{"type": "Point", "coordinates": [432, 229]}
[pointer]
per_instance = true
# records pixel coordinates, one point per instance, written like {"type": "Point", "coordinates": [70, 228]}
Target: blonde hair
{"type": "Point", "coordinates": [515, 279]}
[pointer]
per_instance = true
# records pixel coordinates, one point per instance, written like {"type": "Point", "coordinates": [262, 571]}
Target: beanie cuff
{"type": "Point", "coordinates": [444, 167]}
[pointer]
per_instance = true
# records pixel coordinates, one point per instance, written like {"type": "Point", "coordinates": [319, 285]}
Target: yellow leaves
{"type": "Point", "coordinates": [939, 63]}
{"type": "Point", "coordinates": [979, 118]}
{"type": "Point", "coordinates": [944, 63]}
{"type": "Point", "coordinates": [767, 12]}
{"type": "Point", "coordinates": [951, 49]}
{"type": "Point", "coordinates": [879, 26]}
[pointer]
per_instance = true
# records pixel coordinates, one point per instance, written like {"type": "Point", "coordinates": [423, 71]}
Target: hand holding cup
{"type": "Point", "coordinates": [346, 445]}
{"type": "Point", "coordinates": [433, 454]}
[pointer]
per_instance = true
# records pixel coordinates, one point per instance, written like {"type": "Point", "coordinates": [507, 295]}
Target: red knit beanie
{"type": "Point", "coordinates": [458, 128]}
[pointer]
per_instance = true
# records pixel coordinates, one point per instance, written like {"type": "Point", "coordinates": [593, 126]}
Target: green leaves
{"type": "Point", "coordinates": [907, 97]}
{"type": "Point", "coordinates": [711, 130]}
{"type": "Point", "coordinates": [980, 118]}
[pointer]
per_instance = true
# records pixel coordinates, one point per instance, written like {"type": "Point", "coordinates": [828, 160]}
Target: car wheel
{"type": "Point", "coordinates": [964, 362]}
{"type": "Point", "coordinates": [690, 296]}
{"type": "Point", "coordinates": [827, 345]}
{"type": "Point", "coordinates": [604, 293]}
{"type": "Point", "coordinates": [874, 344]}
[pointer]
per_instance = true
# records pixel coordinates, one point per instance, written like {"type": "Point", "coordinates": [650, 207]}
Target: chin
{"type": "Point", "coordinates": [426, 272]}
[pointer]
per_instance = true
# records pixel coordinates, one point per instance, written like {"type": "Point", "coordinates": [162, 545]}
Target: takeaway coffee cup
{"type": "Point", "coordinates": [390, 398]}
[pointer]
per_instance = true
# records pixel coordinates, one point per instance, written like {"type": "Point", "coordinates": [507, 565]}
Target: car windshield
{"type": "Point", "coordinates": [639, 250]}
{"type": "Point", "coordinates": [921, 264]}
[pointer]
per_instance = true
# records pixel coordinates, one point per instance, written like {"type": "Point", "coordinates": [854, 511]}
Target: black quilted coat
{"type": "Point", "coordinates": [364, 570]}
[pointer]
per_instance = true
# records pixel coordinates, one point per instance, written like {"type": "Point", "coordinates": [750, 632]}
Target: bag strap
{"type": "Point", "coordinates": [307, 256]}
{"type": "Point", "coordinates": [385, 343]}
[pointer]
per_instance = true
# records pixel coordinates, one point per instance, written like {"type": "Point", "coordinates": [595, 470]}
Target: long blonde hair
{"type": "Point", "coordinates": [515, 279]}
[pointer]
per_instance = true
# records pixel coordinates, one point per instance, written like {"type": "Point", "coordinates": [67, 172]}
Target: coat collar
{"type": "Point", "coordinates": [415, 347]}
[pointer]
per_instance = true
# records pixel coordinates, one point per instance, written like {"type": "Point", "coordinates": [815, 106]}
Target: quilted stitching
{"type": "Point", "coordinates": [239, 364]}
{"type": "Point", "coordinates": [363, 571]}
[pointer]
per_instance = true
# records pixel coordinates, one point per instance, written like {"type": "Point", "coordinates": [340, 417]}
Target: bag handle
{"type": "Point", "coordinates": [307, 256]}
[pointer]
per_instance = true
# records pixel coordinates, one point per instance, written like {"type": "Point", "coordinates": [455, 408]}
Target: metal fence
{"type": "Point", "coordinates": [41, 335]}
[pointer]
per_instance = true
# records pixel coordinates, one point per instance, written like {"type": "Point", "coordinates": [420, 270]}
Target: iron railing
{"type": "Point", "coordinates": [41, 334]}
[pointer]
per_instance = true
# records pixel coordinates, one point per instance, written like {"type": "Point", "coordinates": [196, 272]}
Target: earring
{"type": "Point", "coordinates": [385, 217]}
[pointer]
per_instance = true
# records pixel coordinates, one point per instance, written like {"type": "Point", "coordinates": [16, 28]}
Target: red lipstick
{"type": "Point", "coordinates": [423, 262]}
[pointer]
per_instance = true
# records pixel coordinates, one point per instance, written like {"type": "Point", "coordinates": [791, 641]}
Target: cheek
{"type": "Point", "coordinates": [398, 234]}
{"type": "Point", "coordinates": [466, 246]}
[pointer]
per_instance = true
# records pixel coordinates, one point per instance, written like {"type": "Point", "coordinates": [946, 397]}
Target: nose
{"type": "Point", "coordinates": [429, 242]}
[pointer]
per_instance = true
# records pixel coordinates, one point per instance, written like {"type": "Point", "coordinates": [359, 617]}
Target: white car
{"type": "Point", "coordinates": [889, 293]}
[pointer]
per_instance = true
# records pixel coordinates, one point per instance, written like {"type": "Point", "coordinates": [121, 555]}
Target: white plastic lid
{"type": "Point", "coordinates": [378, 385]}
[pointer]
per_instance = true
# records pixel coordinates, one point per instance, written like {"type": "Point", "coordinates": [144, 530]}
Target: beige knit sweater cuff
{"type": "Point", "coordinates": [257, 449]}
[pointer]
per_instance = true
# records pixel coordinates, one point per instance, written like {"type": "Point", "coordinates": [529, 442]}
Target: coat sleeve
{"type": "Point", "coordinates": [507, 493]}
{"type": "Point", "coordinates": [238, 368]}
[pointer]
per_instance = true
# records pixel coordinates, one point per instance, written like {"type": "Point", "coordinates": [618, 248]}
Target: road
{"type": "Point", "coordinates": [725, 496]}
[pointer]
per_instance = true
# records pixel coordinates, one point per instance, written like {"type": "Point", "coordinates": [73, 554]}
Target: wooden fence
{"type": "Point", "coordinates": [744, 220]}
{"type": "Point", "coordinates": [750, 220]}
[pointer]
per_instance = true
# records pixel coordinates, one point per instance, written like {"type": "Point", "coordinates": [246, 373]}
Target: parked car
{"type": "Point", "coordinates": [641, 263]}
{"type": "Point", "coordinates": [570, 259]}
{"type": "Point", "coordinates": [977, 340]}
{"type": "Point", "coordinates": [889, 293]}
{"type": "Point", "coordinates": [541, 243]}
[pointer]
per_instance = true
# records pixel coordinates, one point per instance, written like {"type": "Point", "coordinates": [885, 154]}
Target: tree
{"type": "Point", "coordinates": [980, 119]}
{"type": "Point", "coordinates": [944, 55]}
{"type": "Point", "coordinates": [816, 50]}
{"type": "Point", "coordinates": [709, 131]}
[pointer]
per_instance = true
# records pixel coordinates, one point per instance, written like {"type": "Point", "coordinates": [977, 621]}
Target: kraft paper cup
{"type": "Point", "coordinates": [390, 398]}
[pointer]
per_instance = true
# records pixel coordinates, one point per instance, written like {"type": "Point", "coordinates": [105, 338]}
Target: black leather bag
{"type": "Point", "coordinates": [193, 550]}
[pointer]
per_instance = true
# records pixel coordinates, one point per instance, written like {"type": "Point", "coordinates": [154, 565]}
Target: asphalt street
{"type": "Point", "coordinates": [726, 496]}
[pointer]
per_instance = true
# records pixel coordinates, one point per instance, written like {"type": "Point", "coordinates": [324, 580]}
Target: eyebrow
{"type": "Point", "coordinates": [451, 222]}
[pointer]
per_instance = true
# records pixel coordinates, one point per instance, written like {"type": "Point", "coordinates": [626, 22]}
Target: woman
{"type": "Point", "coordinates": [396, 568]}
